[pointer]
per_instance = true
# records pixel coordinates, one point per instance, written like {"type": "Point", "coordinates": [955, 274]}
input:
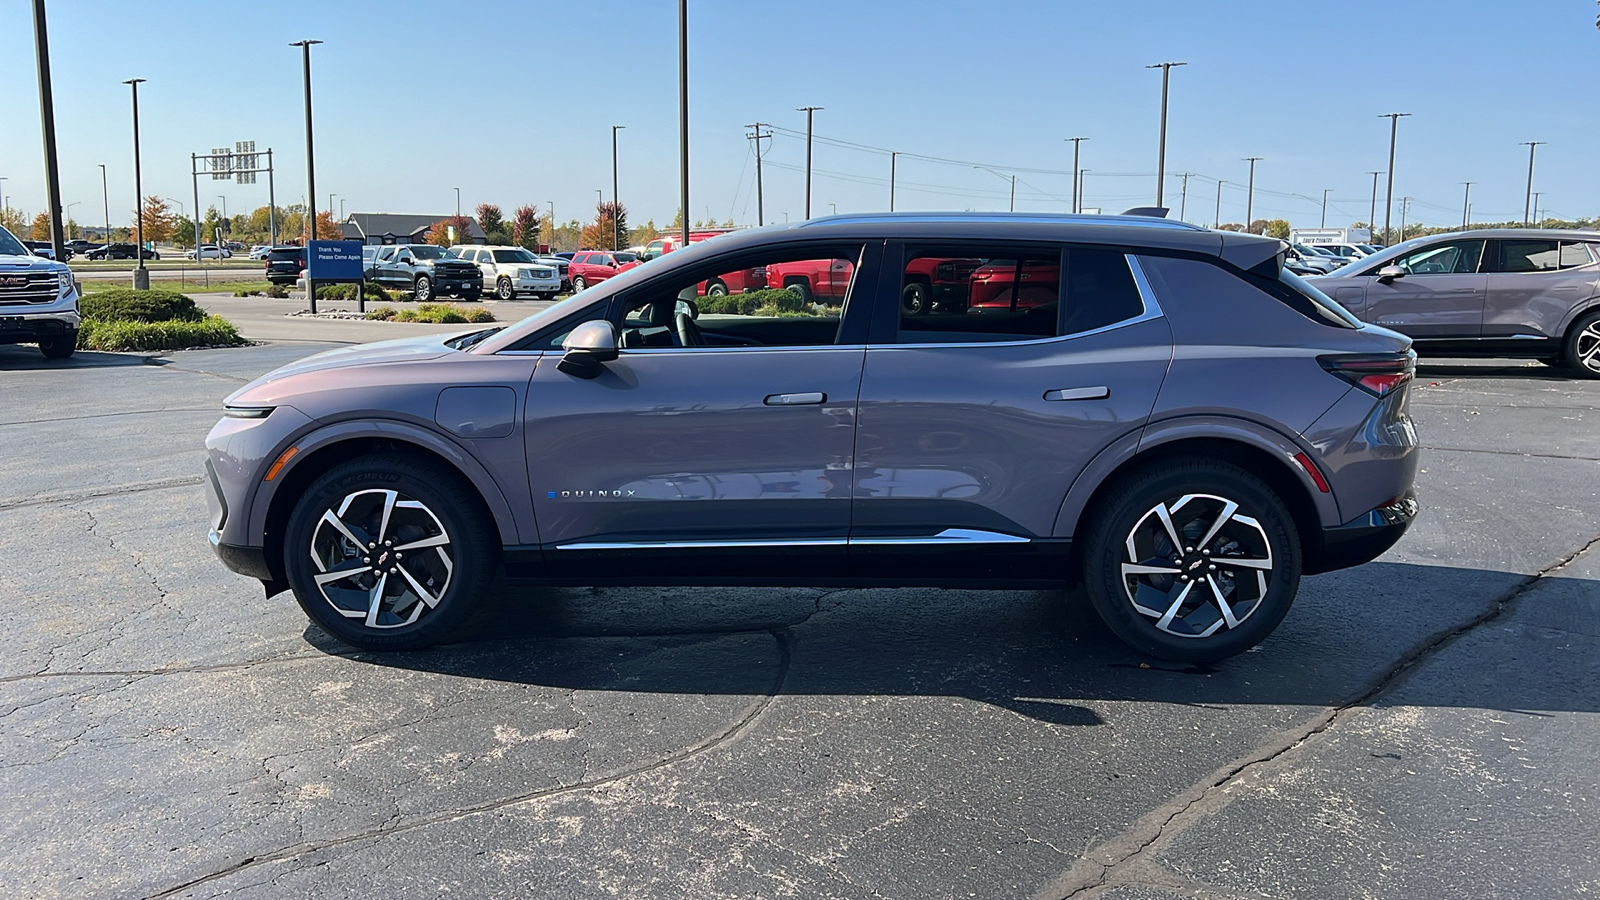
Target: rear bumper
{"type": "Point", "coordinates": [1364, 538]}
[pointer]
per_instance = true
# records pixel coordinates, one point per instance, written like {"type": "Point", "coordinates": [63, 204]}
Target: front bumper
{"type": "Point", "coordinates": [1366, 537]}
{"type": "Point", "coordinates": [27, 327]}
{"type": "Point", "coordinates": [538, 285]}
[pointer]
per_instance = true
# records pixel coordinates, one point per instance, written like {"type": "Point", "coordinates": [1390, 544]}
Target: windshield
{"type": "Point", "coordinates": [623, 257]}
{"type": "Point", "coordinates": [428, 251]}
{"type": "Point", "coordinates": [10, 246]}
{"type": "Point", "coordinates": [513, 256]}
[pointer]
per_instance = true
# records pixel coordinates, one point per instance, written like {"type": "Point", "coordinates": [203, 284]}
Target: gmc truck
{"type": "Point", "coordinates": [38, 300]}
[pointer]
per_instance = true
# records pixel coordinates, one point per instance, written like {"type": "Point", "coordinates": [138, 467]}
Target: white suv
{"type": "Point", "coordinates": [38, 300]}
{"type": "Point", "coordinates": [509, 271]}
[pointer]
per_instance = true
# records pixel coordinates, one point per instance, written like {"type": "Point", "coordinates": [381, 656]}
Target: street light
{"type": "Point", "coordinates": [1161, 161]}
{"type": "Point", "coordinates": [1324, 208]}
{"type": "Point", "coordinates": [1216, 218]}
{"type": "Point", "coordinates": [106, 198]}
{"type": "Point", "coordinates": [311, 170]}
{"type": "Point", "coordinates": [683, 124]}
{"type": "Point", "coordinates": [47, 115]}
{"type": "Point", "coordinates": [458, 202]}
{"type": "Point", "coordinates": [893, 155]}
{"type": "Point", "coordinates": [809, 111]}
{"type": "Point", "coordinates": [1013, 180]}
{"type": "Point", "coordinates": [66, 215]}
{"type": "Point", "coordinates": [1250, 193]}
{"type": "Point", "coordinates": [141, 275]}
{"type": "Point", "coordinates": [1372, 214]}
{"type": "Point", "coordinates": [1388, 197]}
{"type": "Point", "coordinates": [616, 220]}
{"type": "Point", "coordinates": [224, 226]}
{"type": "Point", "coordinates": [1075, 142]}
{"type": "Point", "coordinates": [1466, 205]}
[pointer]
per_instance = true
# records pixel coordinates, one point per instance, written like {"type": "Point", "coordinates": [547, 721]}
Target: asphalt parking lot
{"type": "Point", "coordinates": [1423, 726]}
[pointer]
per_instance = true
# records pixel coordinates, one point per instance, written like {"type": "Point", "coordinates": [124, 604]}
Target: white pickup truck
{"type": "Point", "coordinates": [38, 300]}
{"type": "Point", "coordinates": [509, 271]}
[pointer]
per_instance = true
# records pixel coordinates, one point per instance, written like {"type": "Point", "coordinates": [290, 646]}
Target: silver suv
{"type": "Point", "coordinates": [1154, 411]}
{"type": "Point", "coordinates": [38, 300]}
{"type": "Point", "coordinates": [1495, 292]}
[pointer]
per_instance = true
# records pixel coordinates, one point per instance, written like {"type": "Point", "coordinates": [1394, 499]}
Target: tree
{"type": "Point", "coordinates": [495, 228]}
{"type": "Point", "coordinates": [1230, 226]}
{"type": "Point", "coordinates": [40, 231]}
{"type": "Point", "coordinates": [182, 233]}
{"type": "Point", "coordinates": [13, 220]}
{"type": "Point", "coordinates": [526, 229]}
{"type": "Point", "coordinates": [157, 217]}
{"type": "Point", "coordinates": [440, 235]}
{"type": "Point", "coordinates": [1259, 226]}
{"type": "Point", "coordinates": [327, 228]}
{"type": "Point", "coordinates": [610, 223]}
{"type": "Point", "coordinates": [1278, 228]}
{"type": "Point", "coordinates": [209, 227]}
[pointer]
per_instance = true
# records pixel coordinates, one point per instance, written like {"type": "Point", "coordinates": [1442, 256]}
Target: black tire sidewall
{"type": "Point", "coordinates": [1570, 345]}
{"type": "Point", "coordinates": [473, 540]}
{"type": "Point", "coordinates": [1163, 482]}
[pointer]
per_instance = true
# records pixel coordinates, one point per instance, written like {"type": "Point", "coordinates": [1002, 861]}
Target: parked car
{"type": "Point", "coordinates": [38, 300]}
{"type": "Point", "coordinates": [1309, 261]}
{"type": "Point", "coordinates": [41, 248]}
{"type": "Point", "coordinates": [79, 247]}
{"type": "Point", "coordinates": [285, 265]}
{"type": "Point", "coordinates": [259, 251]}
{"type": "Point", "coordinates": [1519, 292]}
{"type": "Point", "coordinates": [121, 251]}
{"type": "Point", "coordinates": [1185, 432]}
{"type": "Point", "coordinates": [1349, 252]}
{"type": "Point", "coordinates": [426, 271]}
{"type": "Point", "coordinates": [670, 242]}
{"type": "Point", "coordinates": [563, 267]}
{"type": "Point", "coordinates": [509, 271]}
{"type": "Point", "coordinates": [594, 266]}
{"type": "Point", "coordinates": [208, 251]}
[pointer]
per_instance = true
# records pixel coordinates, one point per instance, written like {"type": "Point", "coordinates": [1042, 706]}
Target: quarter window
{"type": "Point", "coordinates": [1573, 255]}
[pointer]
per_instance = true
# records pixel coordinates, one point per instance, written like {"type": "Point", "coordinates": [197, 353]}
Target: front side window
{"type": "Point", "coordinates": [988, 294]}
{"type": "Point", "coordinates": [1529, 256]}
{"type": "Point", "coordinates": [1453, 258]}
{"type": "Point", "coordinates": [428, 251]}
{"type": "Point", "coordinates": [512, 256]}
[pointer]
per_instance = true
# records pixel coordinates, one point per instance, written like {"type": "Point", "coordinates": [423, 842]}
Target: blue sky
{"type": "Point", "coordinates": [512, 102]}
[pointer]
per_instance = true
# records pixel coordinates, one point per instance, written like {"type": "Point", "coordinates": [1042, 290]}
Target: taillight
{"type": "Point", "coordinates": [1377, 374]}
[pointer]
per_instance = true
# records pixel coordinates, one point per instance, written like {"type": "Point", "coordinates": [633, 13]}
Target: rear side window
{"type": "Point", "coordinates": [984, 294]}
{"type": "Point", "coordinates": [1529, 256]}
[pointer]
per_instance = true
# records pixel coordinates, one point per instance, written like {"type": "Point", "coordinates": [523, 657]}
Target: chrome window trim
{"type": "Point", "coordinates": [948, 536]}
{"type": "Point", "coordinates": [659, 351]}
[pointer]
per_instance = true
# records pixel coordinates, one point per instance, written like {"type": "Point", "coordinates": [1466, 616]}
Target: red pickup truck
{"type": "Point", "coordinates": [813, 279]}
{"type": "Point", "coordinates": [941, 283]}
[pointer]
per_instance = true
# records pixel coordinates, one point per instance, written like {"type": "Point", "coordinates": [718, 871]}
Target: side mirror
{"type": "Point", "coordinates": [1388, 274]}
{"type": "Point", "coordinates": [589, 345]}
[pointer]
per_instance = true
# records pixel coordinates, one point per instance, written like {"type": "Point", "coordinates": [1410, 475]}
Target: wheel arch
{"type": "Point", "coordinates": [1578, 311]}
{"type": "Point", "coordinates": [1252, 447]}
{"type": "Point", "coordinates": [322, 450]}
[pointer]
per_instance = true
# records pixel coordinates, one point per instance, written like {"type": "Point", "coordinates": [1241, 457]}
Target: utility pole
{"type": "Point", "coordinates": [1388, 197]}
{"type": "Point", "coordinates": [1183, 198]}
{"type": "Point", "coordinates": [1405, 203]}
{"type": "Point", "coordinates": [1161, 157]}
{"type": "Point", "coordinates": [892, 157]}
{"type": "Point", "coordinates": [1076, 206]}
{"type": "Point", "coordinates": [757, 136]}
{"type": "Point", "coordinates": [616, 205]}
{"type": "Point", "coordinates": [1528, 200]}
{"type": "Point", "coordinates": [809, 111]}
{"type": "Point", "coordinates": [141, 275]}
{"type": "Point", "coordinates": [683, 124]}
{"type": "Point", "coordinates": [1324, 208]}
{"type": "Point", "coordinates": [1466, 204]}
{"type": "Point", "coordinates": [47, 116]}
{"type": "Point", "coordinates": [1216, 219]}
{"type": "Point", "coordinates": [311, 173]}
{"type": "Point", "coordinates": [105, 194]}
{"type": "Point", "coordinates": [1535, 221]}
{"type": "Point", "coordinates": [1083, 181]}
{"type": "Point", "coordinates": [1372, 215]}
{"type": "Point", "coordinates": [1250, 195]}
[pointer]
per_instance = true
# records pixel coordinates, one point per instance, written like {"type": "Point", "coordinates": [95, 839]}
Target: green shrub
{"type": "Point", "coordinates": [748, 303]}
{"type": "Point", "coordinates": [381, 313]}
{"type": "Point", "coordinates": [347, 291]}
{"type": "Point", "coordinates": [433, 313]}
{"type": "Point", "coordinates": [278, 292]}
{"type": "Point", "coordinates": [126, 304]}
{"type": "Point", "coordinates": [173, 334]}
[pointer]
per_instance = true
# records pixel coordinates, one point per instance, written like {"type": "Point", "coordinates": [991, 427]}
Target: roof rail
{"type": "Point", "coordinates": [1127, 219]}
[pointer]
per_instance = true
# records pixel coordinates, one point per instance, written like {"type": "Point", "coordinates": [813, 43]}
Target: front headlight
{"type": "Point", "coordinates": [247, 412]}
{"type": "Point", "coordinates": [524, 273]}
{"type": "Point", "coordinates": [63, 283]}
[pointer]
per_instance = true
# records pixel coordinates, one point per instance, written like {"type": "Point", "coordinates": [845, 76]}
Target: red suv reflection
{"type": "Point", "coordinates": [1005, 284]}
{"type": "Point", "coordinates": [594, 266]}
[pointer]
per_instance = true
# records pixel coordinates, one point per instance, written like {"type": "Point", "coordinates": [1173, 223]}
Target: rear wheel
{"type": "Point", "coordinates": [716, 289]}
{"type": "Point", "coordinates": [800, 288]}
{"type": "Point", "coordinates": [915, 300]}
{"type": "Point", "coordinates": [58, 348]}
{"type": "Point", "coordinates": [1583, 346]}
{"type": "Point", "coordinates": [504, 289]}
{"type": "Point", "coordinates": [578, 284]}
{"type": "Point", "coordinates": [387, 552]}
{"type": "Point", "coordinates": [422, 289]}
{"type": "Point", "coordinates": [1192, 559]}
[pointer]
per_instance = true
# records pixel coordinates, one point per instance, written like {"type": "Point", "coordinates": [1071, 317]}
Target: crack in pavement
{"type": "Point", "coordinates": [1518, 453]}
{"type": "Point", "coordinates": [127, 412]}
{"type": "Point", "coordinates": [1096, 867]}
{"type": "Point", "coordinates": [138, 487]}
{"type": "Point", "coordinates": [398, 823]}
{"type": "Point", "coordinates": [173, 670]}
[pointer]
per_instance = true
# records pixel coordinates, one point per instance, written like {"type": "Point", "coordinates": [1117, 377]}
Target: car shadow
{"type": "Point", "coordinates": [25, 357]}
{"type": "Point", "coordinates": [1497, 368]}
{"type": "Point", "coordinates": [1041, 654]}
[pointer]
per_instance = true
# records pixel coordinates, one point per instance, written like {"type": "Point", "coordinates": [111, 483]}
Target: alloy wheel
{"type": "Point", "coordinates": [423, 290]}
{"type": "Point", "coordinates": [1588, 347]}
{"type": "Point", "coordinates": [382, 557]}
{"type": "Point", "coordinates": [1196, 565]}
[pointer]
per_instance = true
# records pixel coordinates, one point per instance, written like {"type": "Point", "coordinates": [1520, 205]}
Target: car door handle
{"type": "Point", "coordinates": [1084, 393]}
{"type": "Point", "coordinates": [807, 399]}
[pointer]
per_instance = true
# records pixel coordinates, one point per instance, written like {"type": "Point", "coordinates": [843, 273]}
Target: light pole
{"type": "Point", "coordinates": [1388, 197]}
{"type": "Point", "coordinates": [683, 123]}
{"type": "Point", "coordinates": [1161, 158]}
{"type": "Point", "coordinates": [892, 157]}
{"type": "Point", "coordinates": [1528, 200]}
{"type": "Point", "coordinates": [834, 208]}
{"type": "Point", "coordinates": [1013, 180]}
{"type": "Point", "coordinates": [311, 170]}
{"type": "Point", "coordinates": [141, 275]}
{"type": "Point", "coordinates": [1216, 218]}
{"type": "Point", "coordinates": [1076, 206]}
{"type": "Point", "coordinates": [810, 111]}
{"type": "Point", "coordinates": [106, 199]}
{"type": "Point", "coordinates": [225, 227]}
{"type": "Point", "coordinates": [1466, 204]}
{"type": "Point", "coordinates": [47, 116]}
{"type": "Point", "coordinates": [458, 202]}
{"type": "Point", "coordinates": [552, 205]}
{"type": "Point", "coordinates": [616, 219]}
{"type": "Point", "coordinates": [1250, 192]}
{"type": "Point", "coordinates": [1324, 208]}
{"type": "Point", "coordinates": [66, 215]}
{"type": "Point", "coordinates": [1372, 214]}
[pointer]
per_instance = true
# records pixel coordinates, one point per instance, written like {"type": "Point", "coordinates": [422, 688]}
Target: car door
{"type": "Point", "coordinates": [1440, 296]}
{"type": "Point", "coordinates": [1533, 283]}
{"type": "Point", "coordinates": [740, 448]}
{"type": "Point", "coordinates": [974, 425]}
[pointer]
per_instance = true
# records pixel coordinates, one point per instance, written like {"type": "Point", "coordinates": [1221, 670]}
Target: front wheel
{"type": "Point", "coordinates": [422, 289]}
{"type": "Point", "coordinates": [504, 289]}
{"type": "Point", "coordinates": [1583, 346]}
{"type": "Point", "coordinates": [915, 300]}
{"type": "Point", "coordinates": [1193, 560]}
{"type": "Point", "coordinates": [387, 552]}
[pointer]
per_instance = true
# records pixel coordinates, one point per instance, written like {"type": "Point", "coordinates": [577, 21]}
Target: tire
{"type": "Point", "coordinates": [60, 348]}
{"type": "Point", "coordinates": [1196, 493]}
{"type": "Point", "coordinates": [716, 289]}
{"type": "Point", "coordinates": [578, 284]}
{"type": "Point", "coordinates": [422, 289]}
{"type": "Point", "coordinates": [916, 299]}
{"type": "Point", "coordinates": [504, 289]}
{"type": "Point", "coordinates": [389, 501]}
{"type": "Point", "coordinates": [1581, 349]}
{"type": "Point", "coordinates": [800, 288]}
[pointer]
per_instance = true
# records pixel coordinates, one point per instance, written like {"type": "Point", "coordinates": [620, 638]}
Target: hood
{"type": "Point", "coordinates": [30, 263]}
{"type": "Point", "coordinates": [411, 349]}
